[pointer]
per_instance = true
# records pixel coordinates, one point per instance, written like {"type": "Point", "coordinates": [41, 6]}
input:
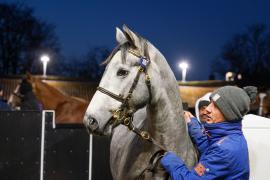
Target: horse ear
{"type": "Point", "coordinates": [134, 39]}
{"type": "Point", "coordinates": [120, 36]}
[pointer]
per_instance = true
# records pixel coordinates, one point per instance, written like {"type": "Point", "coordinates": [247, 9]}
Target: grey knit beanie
{"type": "Point", "coordinates": [233, 101]}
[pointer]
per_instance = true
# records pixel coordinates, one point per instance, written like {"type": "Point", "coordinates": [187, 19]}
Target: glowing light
{"type": "Point", "coordinates": [44, 59]}
{"type": "Point", "coordinates": [183, 66]}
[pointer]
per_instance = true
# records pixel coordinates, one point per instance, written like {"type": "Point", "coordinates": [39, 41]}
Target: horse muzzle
{"type": "Point", "coordinates": [91, 124]}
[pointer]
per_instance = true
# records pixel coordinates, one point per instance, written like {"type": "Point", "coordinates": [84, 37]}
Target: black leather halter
{"type": "Point", "coordinates": [124, 114]}
{"type": "Point", "coordinates": [144, 62]}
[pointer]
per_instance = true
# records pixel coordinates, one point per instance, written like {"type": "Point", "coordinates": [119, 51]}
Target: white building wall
{"type": "Point", "coordinates": [257, 132]}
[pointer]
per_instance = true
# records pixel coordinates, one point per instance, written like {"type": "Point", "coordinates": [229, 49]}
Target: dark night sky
{"type": "Point", "coordinates": [192, 30]}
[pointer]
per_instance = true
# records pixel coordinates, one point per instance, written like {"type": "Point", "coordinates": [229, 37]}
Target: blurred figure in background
{"type": "Point", "coordinates": [29, 100]}
{"type": "Point", "coordinates": [3, 103]}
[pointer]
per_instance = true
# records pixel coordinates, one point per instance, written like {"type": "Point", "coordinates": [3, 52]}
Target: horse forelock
{"type": "Point", "coordinates": [109, 58]}
{"type": "Point", "coordinates": [143, 50]}
{"type": "Point", "coordinates": [123, 48]}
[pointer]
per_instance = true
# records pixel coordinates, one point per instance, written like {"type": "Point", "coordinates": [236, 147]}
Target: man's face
{"type": "Point", "coordinates": [203, 114]}
{"type": "Point", "coordinates": [212, 114]}
{"type": "Point", "coordinates": [1, 93]}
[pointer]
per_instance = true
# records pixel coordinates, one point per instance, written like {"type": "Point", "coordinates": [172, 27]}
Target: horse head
{"type": "Point", "coordinates": [125, 86]}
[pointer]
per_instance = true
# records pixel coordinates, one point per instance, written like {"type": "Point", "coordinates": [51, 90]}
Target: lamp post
{"type": "Point", "coordinates": [183, 66]}
{"type": "Point", "coordinates": [44, 59]}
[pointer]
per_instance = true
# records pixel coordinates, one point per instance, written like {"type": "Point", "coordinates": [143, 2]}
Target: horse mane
{"type": "Point", "coordinates": [123, 49]}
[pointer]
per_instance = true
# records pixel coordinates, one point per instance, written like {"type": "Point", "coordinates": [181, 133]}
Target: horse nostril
{"type": "Point", "coordinates": [91, 123]}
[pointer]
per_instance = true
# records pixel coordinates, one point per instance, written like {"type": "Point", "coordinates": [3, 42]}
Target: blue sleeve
{"type": "Point", "coordinates": [4, 106]}
{"type": "Point", "coordinates": [196, 132]}
{"type": "Point", "coordinates": [212, 166]}
{"type": "Point", "coordinates": [176, 167]}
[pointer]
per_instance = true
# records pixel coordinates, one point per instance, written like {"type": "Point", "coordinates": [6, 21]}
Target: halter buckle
{"type": "Point", "coordinates": [145, 135]}
{"type": "Point", "coordinates": [144, 62]}
{"type": "Point", "coordinates": [116, 114]}
{"type": "Point", "coordinates": [147, 78]}
{"type": "Point", "coordinates": [141, 69]}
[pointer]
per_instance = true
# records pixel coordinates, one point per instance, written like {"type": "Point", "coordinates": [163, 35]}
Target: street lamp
{"type": "Point", "coordinates": [44, 59]}
{"type": "Point", "coordinates": [183, 66]}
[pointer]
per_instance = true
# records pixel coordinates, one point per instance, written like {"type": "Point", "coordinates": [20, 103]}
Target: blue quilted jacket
{"type": "Point", "coordinates": [223, 149]}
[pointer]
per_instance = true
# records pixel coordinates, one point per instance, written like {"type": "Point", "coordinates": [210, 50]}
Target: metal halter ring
{"type": "Point", "coordinates": [145, 135]}
{"type": "Point", "coordinates": [127, 121]}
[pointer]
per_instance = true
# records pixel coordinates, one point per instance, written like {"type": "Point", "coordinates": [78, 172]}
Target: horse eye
{"type": "Point", "coordinates": [122, 72]}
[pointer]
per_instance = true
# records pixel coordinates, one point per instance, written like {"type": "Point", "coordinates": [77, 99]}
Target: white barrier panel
{"type": "Point", "coordinates": [257, 132]}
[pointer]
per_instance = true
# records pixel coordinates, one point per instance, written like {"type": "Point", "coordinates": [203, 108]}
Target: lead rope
{"type": "Point", "coordinates": [153, 164]}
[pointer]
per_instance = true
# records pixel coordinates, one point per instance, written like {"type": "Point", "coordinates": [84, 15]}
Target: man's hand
{"type": "Point", "coordinates": [188, 116]}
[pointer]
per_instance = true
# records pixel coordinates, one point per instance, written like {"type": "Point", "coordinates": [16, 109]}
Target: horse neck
{"type": "Point", "coordinates": [166, 120]}
{"type": "Point", "coordinates": [166, 113]}
{"type": "Point", "coordinates": [50, 97]}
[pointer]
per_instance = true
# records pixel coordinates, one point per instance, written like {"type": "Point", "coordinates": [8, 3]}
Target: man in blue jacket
{"type": "Point", "coordinates": [221, 143]}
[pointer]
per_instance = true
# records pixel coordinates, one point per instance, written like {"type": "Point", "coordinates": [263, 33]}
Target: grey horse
{"type": "Point", "coordinates": [138, 92]}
